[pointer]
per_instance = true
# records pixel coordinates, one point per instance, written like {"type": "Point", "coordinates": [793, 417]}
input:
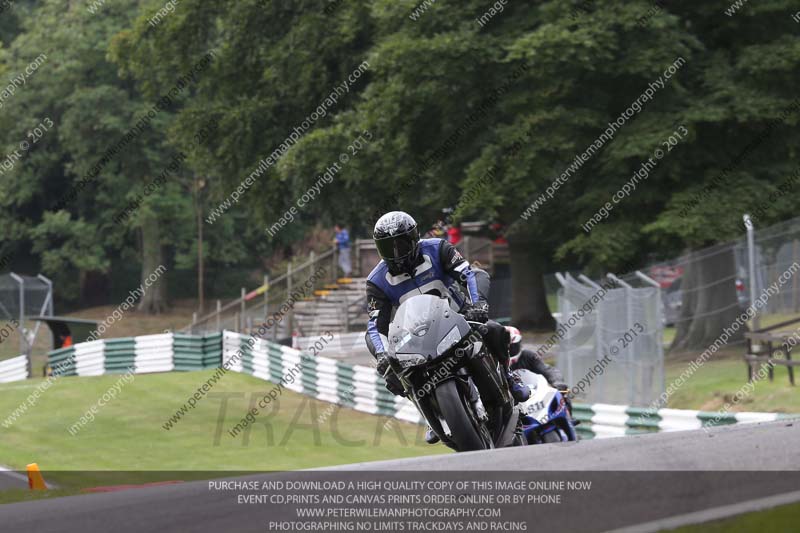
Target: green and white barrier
{"type": "Point", "coordinates": [15, 369]}
{"type": "Point", "coordinates": [360, 388]}
{"type": "Point", "coordinates": [604, 420]}
{"type": "Point", "coordinates": [164, 352]}
{"type": "Point", "coordinates": [326, 379]}
{"type": "Point", "coordinates": [353, 386]}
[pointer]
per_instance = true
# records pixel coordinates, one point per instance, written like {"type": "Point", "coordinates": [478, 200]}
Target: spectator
{"type": "Point", "coordinates": [454, 234]}
{"type": "Point", "coordinates": [438, 231]}
{"type": "Point", "coordinates": [342, 242]}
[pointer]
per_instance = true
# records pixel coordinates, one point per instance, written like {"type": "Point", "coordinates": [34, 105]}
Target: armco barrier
{"type": "Point", "coordinates": [354, 386]}
{"type": "Point", "coordinates": [14, 369]}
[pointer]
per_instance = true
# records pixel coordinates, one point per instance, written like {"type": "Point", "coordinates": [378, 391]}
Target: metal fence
{"type": "Point", "coordinates": [610, 345]}
{"type": "Point", "coordinates": [773, 250]}
{"type": "Point", "coordinates": [22, 297]}
{"type": "Point", "coordinates": [254, 308]}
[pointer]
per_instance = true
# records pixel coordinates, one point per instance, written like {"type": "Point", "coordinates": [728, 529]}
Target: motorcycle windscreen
{"type": "Point", "coordinates": [425, 325]}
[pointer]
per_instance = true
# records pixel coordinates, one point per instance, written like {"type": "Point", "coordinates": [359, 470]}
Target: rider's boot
{"type": "Point", "coordinates": [519, 390]}
{"type": "Point", "coordinates": [430, 436]}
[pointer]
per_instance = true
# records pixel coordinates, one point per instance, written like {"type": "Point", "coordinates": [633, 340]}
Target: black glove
{"type": "Point", "coordinates": [392, 381]}
{"type": "Point", "coordinates": [477, 312]}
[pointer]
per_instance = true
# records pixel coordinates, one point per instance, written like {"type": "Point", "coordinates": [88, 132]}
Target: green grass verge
{"type": "Point", "coordinates": [716, 383]}
{"type": "Point", "coordinates": [127, 435]}
{"type": "Point", "coordinates": [782, 518]}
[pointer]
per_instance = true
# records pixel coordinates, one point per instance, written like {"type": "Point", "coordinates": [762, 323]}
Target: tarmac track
{"type": "Point", "coordinates": [637, 482]}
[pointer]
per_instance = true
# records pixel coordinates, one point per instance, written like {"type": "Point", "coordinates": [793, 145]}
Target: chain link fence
{"type": "Point", "coordinates": [611, 347]}
{"type": "Point", "coordinates": [22, 297]}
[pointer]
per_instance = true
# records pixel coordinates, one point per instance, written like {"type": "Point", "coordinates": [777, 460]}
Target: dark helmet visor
{"type": "Point", "coordinates": [397, 247]}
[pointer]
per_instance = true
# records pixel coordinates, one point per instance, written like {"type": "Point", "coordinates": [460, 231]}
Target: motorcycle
{"type": "Point", "coordinates": [545, 417]}
{"type": "Point", "coordinates": [451, 377]}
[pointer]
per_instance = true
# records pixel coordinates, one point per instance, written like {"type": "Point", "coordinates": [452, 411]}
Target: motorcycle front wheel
{"type": "Point", "coordinates": [465, 429]}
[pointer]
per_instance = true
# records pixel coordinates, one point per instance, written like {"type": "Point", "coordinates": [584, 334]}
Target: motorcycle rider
{"type": "Point", "coordinates": [530, 360]}
{"type": "Point", "coordinates": [519, 358]}
{"type": "Point", "coordinates": [412, 266]}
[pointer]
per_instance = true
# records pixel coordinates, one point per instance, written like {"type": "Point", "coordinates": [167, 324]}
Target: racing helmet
{"type": "Point", "coordinates": [397, 239]}
{"type": "Point", "coordinates": [515, 344]}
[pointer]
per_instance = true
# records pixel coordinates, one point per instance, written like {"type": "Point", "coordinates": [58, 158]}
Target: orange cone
{"type": "Point", "coordinates": [35, 479]}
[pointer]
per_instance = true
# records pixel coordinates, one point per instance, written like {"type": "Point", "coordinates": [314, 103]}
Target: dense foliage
{"type": "Point", "coordinates": [498, 97]}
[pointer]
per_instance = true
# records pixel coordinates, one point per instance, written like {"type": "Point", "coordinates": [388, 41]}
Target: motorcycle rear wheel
{"type": "Point", "coordinates": [453, 406]}
{"type": "Point", "coordinates": [552, 436]}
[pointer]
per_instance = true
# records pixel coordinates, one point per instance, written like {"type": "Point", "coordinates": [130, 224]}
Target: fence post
{"type": "Point", "coordinates": [334, 267]}
{"type": "Point", "coordinates": [288, 294]}
{"type": "Point", "coordinates": [219, 311]}
{"type": "Point", "coordinates": [794, 278]}
{"type": "Point", "coordinates": [266, 297]}
{"type": "Point", "coordinates": [21, 327]}
{"type": "Point", "coordinates": [358, 258]}
{"type": "Point", "coordinates": [751, 264]}
{"type": "Point", "coordinates": [346, 314]}
{"type": "Point", "coordinates": [243, 309]}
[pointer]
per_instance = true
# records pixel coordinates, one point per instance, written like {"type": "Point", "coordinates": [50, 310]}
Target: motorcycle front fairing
{"type": "Point", "coordinates": [423, 329]}
{"type": "Point", "coordinates": [545, 410]}
{"type": "Point", "coordinates": [422, 335]}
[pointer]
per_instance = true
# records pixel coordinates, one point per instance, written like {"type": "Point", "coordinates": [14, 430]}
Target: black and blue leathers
{"type": "Point", "coordinates": [440, 270]}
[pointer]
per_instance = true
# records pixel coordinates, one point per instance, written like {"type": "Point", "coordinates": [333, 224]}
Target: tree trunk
{"type": "Point", "coordinates": [154, 299]}
{"type": "Point", "coordinates": [708, 304]}
{"type": "Point", "coordinates": [529, 309]}
{"type": "Point", "coordinates": [95, 287]}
